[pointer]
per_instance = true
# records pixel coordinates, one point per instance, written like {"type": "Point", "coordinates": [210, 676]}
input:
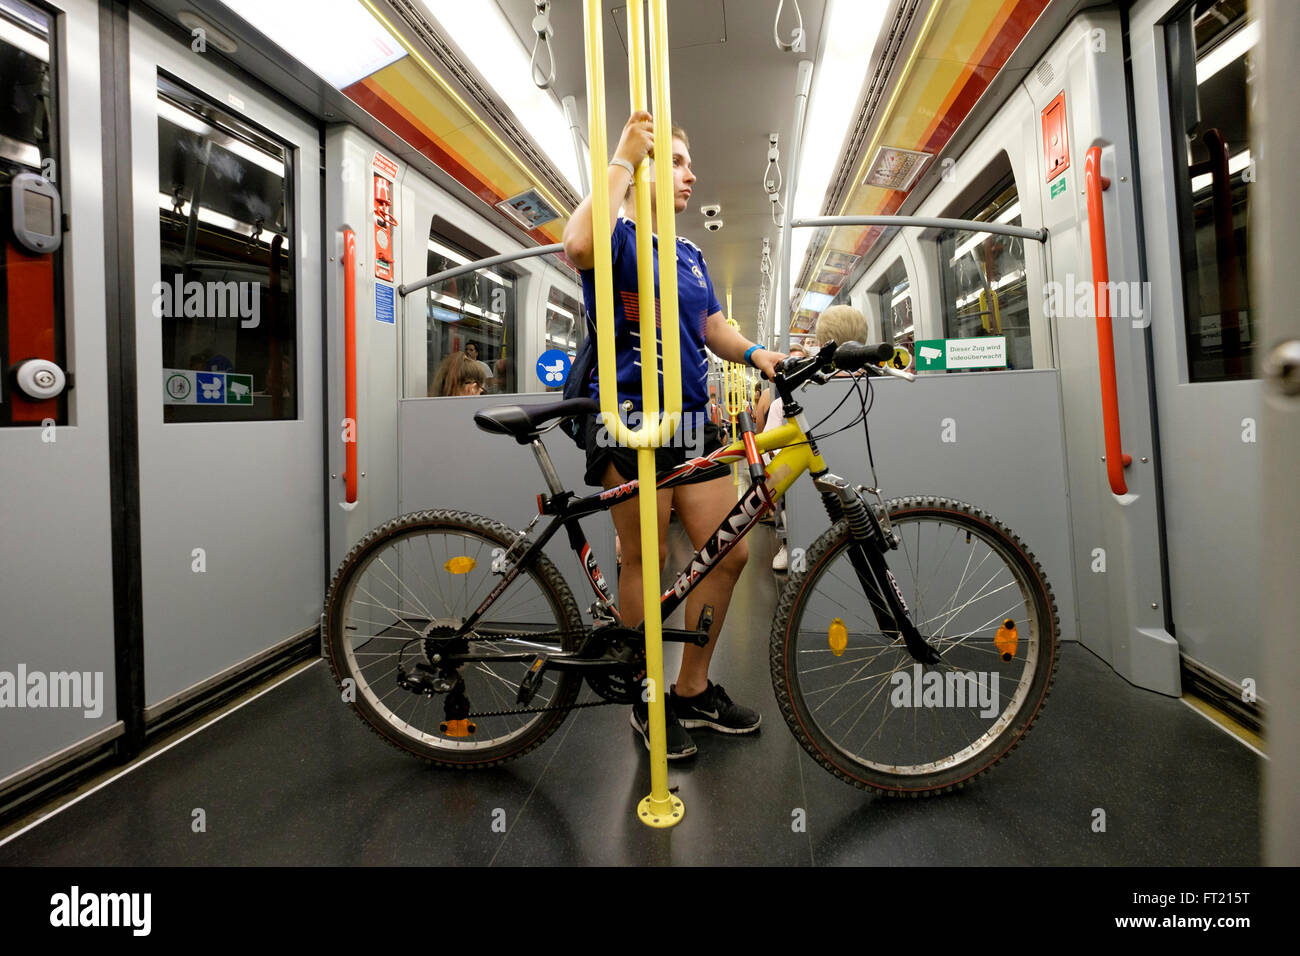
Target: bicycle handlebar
{"type": "Point", "coordinates": [849, 357]}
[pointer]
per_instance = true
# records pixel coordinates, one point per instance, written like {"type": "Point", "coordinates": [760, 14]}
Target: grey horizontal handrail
{"type": "Point", "coordinates": [970, 225]}
{"type": "Point", "coordinates": [407, 288]}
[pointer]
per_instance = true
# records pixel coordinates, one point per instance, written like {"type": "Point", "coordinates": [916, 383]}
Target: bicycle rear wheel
{"type": "Point", "coordinates": [409, 585]}
{"type": "Point", "coordinates": [872, 715]}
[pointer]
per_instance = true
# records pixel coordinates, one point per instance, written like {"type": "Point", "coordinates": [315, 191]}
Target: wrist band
{"type": "Point", "coordinates": [631, 171]}
{"type": "Point", "coordinates": [750, 351]}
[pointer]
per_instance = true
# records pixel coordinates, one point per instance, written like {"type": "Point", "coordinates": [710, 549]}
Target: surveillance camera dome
{"type": "Point", "coordinates": [713, 225]}
{"type": "Point", "coordinates": [711, 210]}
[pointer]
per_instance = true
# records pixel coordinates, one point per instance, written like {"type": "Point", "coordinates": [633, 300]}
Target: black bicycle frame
{"type": "Point", "coordinates": [567, 511]}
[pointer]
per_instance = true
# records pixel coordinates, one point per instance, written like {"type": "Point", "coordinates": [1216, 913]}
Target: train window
{"type": "Point", "coordinates": [31, 281]}
{"type": "Point", "coordinates": [983, 278]}
{"type": "Point", "coordinates": [1210, 50]}
{"type": "Point", "coordinates": [469, 317]}
{"type": "Point", "coordinates": [226, 295]}
{"type": "Point", "coordinates": [896, 316]}
{"type": "Point", "coordinates": [565, 325]}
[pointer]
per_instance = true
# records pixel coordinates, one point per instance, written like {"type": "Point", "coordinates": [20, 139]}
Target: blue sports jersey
{"type": "Point", "coordinates": [695, 303]}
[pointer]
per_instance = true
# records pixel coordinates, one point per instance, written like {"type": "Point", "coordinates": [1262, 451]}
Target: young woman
{"type": "Point", "coordinates": [694, 701]}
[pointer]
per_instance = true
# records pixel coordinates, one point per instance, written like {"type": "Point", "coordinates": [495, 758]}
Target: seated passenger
{"type": "Point", "coordinates": [459, 375]}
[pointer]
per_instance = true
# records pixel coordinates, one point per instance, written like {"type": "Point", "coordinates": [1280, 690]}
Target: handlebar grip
{"type": "Point", "coordinates": [852, 356]}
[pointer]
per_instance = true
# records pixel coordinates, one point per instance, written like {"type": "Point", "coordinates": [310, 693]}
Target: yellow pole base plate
{"type": "Point", "coordinates": [661, 819]}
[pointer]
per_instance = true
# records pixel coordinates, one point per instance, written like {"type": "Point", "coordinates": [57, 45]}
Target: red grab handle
{"type": "Point", "coordinates": [1116, 460]}
{"type": "Point", "coordinates": [350, 364]}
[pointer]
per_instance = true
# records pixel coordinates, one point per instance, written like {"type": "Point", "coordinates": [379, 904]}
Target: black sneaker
{"type": "Point", "coordinates": [680, 744]}
{"type": "Point", "coordinates": [715, 710]}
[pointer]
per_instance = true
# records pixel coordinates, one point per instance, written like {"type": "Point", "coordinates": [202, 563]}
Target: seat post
{"type": "Point", "coordinates": [548, 469]}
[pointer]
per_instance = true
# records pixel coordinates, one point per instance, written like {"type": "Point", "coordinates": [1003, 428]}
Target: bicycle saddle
{"type": "Point", "coordinates": [525, 422]}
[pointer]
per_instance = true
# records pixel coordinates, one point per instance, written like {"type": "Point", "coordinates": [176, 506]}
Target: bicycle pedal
{"type": "Point", "coordinates": [532, 680]}
{"type": "Point", "coordinates": [706, 619]}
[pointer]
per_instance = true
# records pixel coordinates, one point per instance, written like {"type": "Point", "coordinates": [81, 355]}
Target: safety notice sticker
{"type": "Point", "coordinates": [189, 387]}
{"type": "Point", "coordinates": [983, 352]}
{"type": "Point", "coordinates": [384, 302]}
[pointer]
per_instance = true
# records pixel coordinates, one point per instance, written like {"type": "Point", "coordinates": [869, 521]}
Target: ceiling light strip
{"type": "Point", "coordinates": [912, 57]}
{"type": "Point", "coordinates": [459, 100]}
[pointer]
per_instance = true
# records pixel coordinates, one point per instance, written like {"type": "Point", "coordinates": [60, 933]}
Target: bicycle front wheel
{"type": "Point", "coordinates": [394, 603]}
{"type": "Point", "coordinates": [857, 700]}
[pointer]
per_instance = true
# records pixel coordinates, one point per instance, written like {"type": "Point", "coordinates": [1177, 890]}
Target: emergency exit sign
{"type": "Point", "coordinates": [933, 355]}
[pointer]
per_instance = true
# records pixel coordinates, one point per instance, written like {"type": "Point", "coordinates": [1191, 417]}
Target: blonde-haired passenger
{"type": "Point", "coordinates": [838, 324]}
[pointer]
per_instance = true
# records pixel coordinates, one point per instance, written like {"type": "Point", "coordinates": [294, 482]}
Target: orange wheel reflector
{"type": "Point", "coordinates": [461, 564]}
{"type": "Point", "coordinates": [1006, 639]}
{"type": "Point", "coordinates": [458, 728]}
{"type": "Point", "coordinates": [837, 636]}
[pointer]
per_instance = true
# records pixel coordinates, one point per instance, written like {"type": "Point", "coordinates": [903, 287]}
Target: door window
{"type": "Point", "coordinates": [31, 280]}
{"type": "Point", "coordinates": [1210, 52]}
{"type": "Point", "coordinates": [470, 322]}
{"type": "Point", "coordinates": [983, 277]}
{"type": "Point", "coordinates": [225, 297]}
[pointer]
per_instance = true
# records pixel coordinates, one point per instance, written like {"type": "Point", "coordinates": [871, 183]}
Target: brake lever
{"type": "Point", "coordinates": [819, 377]}
{"type": "Point", "coordinates": [899, 373]}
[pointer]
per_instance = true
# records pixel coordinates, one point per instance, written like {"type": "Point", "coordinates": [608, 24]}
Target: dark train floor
{"type": "Point", "coordinates": [292, 778]}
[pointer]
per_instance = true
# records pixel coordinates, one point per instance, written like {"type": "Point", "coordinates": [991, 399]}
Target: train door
{"type": "Point", "coordinates": [1193, 94]}
{"type": "Point", "coordinates": [226, 199]}
{"type": "Point", "coordinates": [57, 686]}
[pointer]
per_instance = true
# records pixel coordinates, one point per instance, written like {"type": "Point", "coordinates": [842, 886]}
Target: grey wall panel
{"type": "Point", "coordinates": [349, 198]}
{"type": "Point", "coordinates": [247, 493]}
{"type": "Point", "coordinates": [56, 597]}
{"type": "Point", "coordinates": [1007, 458]}
{"type": "Point", "coordinates": [447, 462]}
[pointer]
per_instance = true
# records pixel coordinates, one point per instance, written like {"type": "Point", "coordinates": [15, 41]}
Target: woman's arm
{"type": "Point", "coordinates": [728, 344]}
{"type": "Point", "coordinates": [633, 146]}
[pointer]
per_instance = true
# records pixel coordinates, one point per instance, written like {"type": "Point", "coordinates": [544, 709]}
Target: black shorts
{"type": "Point", "coordinates": [601, 451]}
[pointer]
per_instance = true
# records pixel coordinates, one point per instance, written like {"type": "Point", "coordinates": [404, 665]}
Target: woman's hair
{"type": "Point", "coordinates": [841, 323]}
{"type": "Point", "coordinates": [456, 371]}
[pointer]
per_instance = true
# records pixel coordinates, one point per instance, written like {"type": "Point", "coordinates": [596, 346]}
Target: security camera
{"type": "Point", "coordinates": [711, 211]}
{"type": "Point", "coordinates": [713, 225]}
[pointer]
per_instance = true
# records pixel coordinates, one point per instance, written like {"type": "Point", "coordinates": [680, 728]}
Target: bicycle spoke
{"type": "Point", "coordinates": [857, 703]}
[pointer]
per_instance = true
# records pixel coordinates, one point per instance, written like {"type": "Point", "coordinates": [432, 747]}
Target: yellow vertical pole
{"type": "Point", "coordinates": [660, 808]}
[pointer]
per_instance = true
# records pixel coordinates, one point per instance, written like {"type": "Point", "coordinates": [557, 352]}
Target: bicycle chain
{"type": "Point", "coordinates": [541, 710]}
{"type": "Point", "coordinates": [525, 635]}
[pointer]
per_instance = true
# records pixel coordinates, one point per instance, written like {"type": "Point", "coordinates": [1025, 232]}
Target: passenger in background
{"type": "Point", "coordinates": [471, 350]}
{"type": "Point", "coordinates": [704, 500]}
{"type": "Point", "coordinates": [762, 401]}
{"type": "Point", "coordinates": [460, 375]}
{"type": "Point", "coordinates": [715, 407]}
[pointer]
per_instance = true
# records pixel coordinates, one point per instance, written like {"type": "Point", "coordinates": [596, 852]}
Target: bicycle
{"type": "Point", "coordinates": [905, 678]}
